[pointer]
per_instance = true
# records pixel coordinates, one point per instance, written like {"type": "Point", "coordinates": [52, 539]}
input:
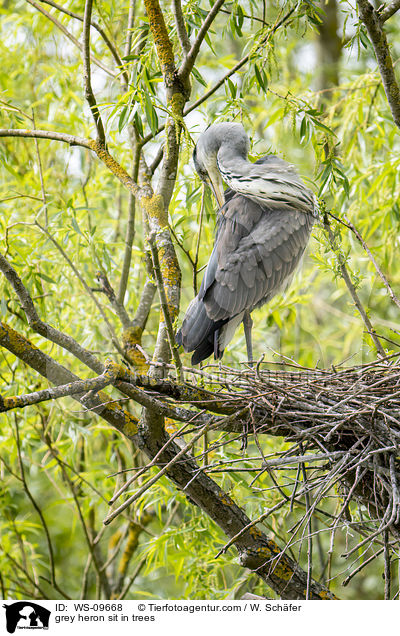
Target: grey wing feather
{"type": "Point", "coordinates": [256, 251]}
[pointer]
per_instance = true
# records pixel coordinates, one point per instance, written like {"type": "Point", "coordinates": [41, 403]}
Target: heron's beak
{"type": "Point", "coordinates": [216, 186]}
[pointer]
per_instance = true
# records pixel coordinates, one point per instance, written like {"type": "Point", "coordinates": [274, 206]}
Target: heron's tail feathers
{"type": "Point", "coordinates": [199, 333]}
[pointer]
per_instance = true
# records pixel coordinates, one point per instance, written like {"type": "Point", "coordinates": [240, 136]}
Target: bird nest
{"type": "Point", "coordinates": [342, 433]}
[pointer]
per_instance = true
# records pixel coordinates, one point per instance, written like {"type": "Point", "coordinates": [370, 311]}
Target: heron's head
{"type": "Point", "coordinates": [227, 138]}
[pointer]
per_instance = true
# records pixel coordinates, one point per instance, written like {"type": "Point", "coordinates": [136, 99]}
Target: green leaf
{"type": "Point", "coordinates": [240, 16]}
{"type": "Point", "coordinates": [122, 117]}
{"type": "Point", "coordinates": [75, 226]}
{"type": "Point", "coordinates": [232, 88]}
{"type": "Point", "coordinates": [199, 77]}
{"type": "Point", "coordinates": [259, 77]}
{"type": "Point", "coordinates": [45, 277]}
{"type": "Point", "coordinates": [138, 124]}
{"type": "Point", "coordinates": [151, 114]}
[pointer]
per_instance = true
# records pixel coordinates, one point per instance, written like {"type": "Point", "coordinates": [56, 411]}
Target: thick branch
{"type": "Point", "coordinates": [237, 67]}
{"type": "Point", "coordinates": [119, 171]}
{"type": "Point", "coordinates": [132, 337]}
{"type": "Point", "coordinates": [156, 209]}
{"type": "Point", "coordinates": [377, 36]}
{"type": "Point", "coordinates": [81, 387]}
{"type": "Point", "coordinates": [144, 305]}
{"type": "Point", "coordinates": [54, 393]}
{"type": "Point", "coordinates": [160, 35]}
{"type": "Point", "coordinates": [106, 289]}
{"type": "Point", "coordinates": [197, 396]}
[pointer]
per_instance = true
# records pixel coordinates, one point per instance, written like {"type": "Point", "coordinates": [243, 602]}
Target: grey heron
{"type": "Point", "coordinates": [264, 224]}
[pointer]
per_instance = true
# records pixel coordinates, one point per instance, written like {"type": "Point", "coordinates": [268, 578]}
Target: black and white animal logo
{"type": "Point", "coordinates": [26, 615]}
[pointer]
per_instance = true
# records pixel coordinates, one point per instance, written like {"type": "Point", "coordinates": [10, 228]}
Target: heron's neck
{"type": "Point", "coordinates": [232, 166]}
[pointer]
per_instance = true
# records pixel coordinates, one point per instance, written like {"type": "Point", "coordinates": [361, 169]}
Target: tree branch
{"type": "Point", "coordinates": [157, 160]}
{"type": "Point", "coordinates": [180, 26]}
{"type": "Point", "coordinates": [54, 393]}
{"type": "Point", "coordinates": [120, 172]}
{"type": "Point", "coordinates": [162, 42]}
{"type": "Point", "coordinates": [347, 223]}
{"type": "Point", "coordinates": [132, 337]}
{"type": "Point", "coordinates": [144, 305]}
{"type": "Point", "coordinates": [157, 209]}
{"type": "Point", "coordinates": [164, 307]}
{"type": "Point", "coordinates": [380, 45]}
{"type": "Point", "coordinates": [131, 20]}
{"type": "Point", "coordinates": [74, 383]}
{"type": "Point", "coordinates": [56, 373]}
{"type": "Point", "coordinates": [195, 395]}
{"type": "Point", "coordinates": [239, 64]}
{"type": "Point", "coordinates": [106, 289]}
{"type": "Point", "coordinates": [42, 328]}
{"type": "Point", "coordinates": [386, 12]}
{"type": "Point", "coordinates": [346, 277]}
{"type": "Point", "coordinates": [46, 134]}
{"type": "Point", "coordinates": [217, 85]}
{"type": "Point", "coordinates": [188, 63]}
{"type": "Point", "coordinates": [130, 231]}
{"type": "Point", "coordinates": [90, 98]}
{"type": "Point", "coordinates": [235, 69]}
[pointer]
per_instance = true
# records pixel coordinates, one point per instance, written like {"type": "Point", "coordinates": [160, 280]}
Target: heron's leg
{"type": "Point", "coordinates": [247, 325]}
